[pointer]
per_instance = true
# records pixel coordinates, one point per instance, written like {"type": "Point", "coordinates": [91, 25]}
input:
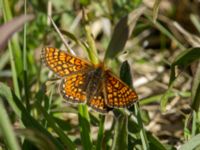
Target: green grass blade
{"type": "Point", "coordinates": [84, 122]}
{"type": "Point", "coordinates": [25, 77]}
{"type": "Point", "coordinates": [125, 75]}
{"type": "Point", "coordinates": [92, 53]}
{"type": "Point", "coordinates": [155, 143]}
{"type": "Point", "coordinates": [64, 138]}
{"type": "Point", "coordinates": [184, 59]}
{"type": "Point", "coordinates": [6, 92]}
{"type": "Point", "coordinates": [24, 116]}
{"type": "Point", "coordinates": [7, 130]}
{"type": "Point", "coordinates": [120, 140]}
{"type": "Point", "coordinates": [143, 136]}
{"type": "Point", "coordinates": [14, 41]}
{"type": "Point", "coordinates": [166, 32]}
{"type": "Point", "coordinates": [100, 133]}
{"type": "Point", "coordinates": [4, 58]}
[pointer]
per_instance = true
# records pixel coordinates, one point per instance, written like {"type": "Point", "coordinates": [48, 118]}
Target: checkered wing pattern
{"type": "Point", "coordinates": [97, 102]}
{"type": "Point", "coordinates": [118, 94]}
{"type": "Point", "coordinates": [63, 63]}
{"type": "Point", "coordinates": [73, 88]}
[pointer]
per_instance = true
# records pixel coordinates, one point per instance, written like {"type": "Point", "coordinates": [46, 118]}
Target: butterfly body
{"type": "Point", "coordinates": [84, 82]}
{"type": "Point", "coordinates": [94, 82]}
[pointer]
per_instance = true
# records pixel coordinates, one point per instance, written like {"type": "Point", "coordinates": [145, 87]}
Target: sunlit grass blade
{"type": "Point", "coordinates": [6, 129]}
{"type": "Point", "coordinates": [4, 59]}
{"type": "Point", "coordinates": [156, 9]}
{"type": "Point", "coordinates": [84, 121]}
{"type": "Point", "coordinates": [100, 133]}
{"type": "Point", "coordinates": [196, 21]}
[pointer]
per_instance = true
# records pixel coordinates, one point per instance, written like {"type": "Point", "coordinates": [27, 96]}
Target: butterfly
{"type": "Point", "coordinates": [84, 82]}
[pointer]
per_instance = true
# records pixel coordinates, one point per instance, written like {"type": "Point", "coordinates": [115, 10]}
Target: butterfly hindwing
{"type": "Point", "coordinates": [97, 102]}
{"type": "Point", "coordinates": [73, 88]}
{"type": "Point", "coordinates": [118, 94]}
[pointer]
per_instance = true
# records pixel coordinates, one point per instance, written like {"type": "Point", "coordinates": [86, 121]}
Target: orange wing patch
{"type": "Point", "coordinates": [118, 93]}
{"type": "Point", "coordinates": [63, 63]}
{"type": "Point", "coordinates": [73, 88]}
{"type": "Point", "coordinates": [97, 102]}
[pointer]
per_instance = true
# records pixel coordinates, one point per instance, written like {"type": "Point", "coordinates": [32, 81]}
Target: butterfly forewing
{"type": "Point", "coordinates": [118, 94]}
{"type": "Point", "coordinates": [63, 63]}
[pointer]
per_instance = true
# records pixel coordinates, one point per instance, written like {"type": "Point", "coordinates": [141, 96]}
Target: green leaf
{"type": "Point", "coordinates": [183, 60]}
{"type": "Point", "coordinates": [125, 74]}
{"type": "Point", "coordinates": [155, 143]}
{"type": "Point", "coordinates": [122, 32]}
{"type": "Point", "coordinates": [192, 143]}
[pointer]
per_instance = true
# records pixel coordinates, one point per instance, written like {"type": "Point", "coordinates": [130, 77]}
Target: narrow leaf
{"type": "Point", "coordinates": [7, 130]}
{"type": "Point", "coordinates": [9, 28]}
{"type": "Point", "coordinates": [192, 143]}
{"type": "Point", "coordinates": [183, 60]}
{"type": "Point", "coordinates": [122, 32]}
{"type": "Point", "coordinates": [125, 73]}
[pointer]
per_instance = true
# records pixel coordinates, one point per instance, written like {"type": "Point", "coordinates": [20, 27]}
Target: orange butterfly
{"type": "Point", "coordinates": [83, 82]}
